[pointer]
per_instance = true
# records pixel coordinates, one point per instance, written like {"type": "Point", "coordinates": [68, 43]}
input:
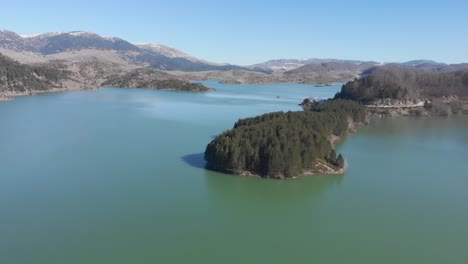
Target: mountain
{"type": "Point", "coordinates": [441, 67]}
{"type": "Point", "coordinates": [433, 66]}
{"type": "Point", "coordinates": [285, 65]}
{"type": "Point", "coordinates": [11, 40]}
{"type": "Point", "coordinates": [328, 72]}
{"type": "Point", "coordinates": [57, 42]}
{"type": "Point", "coordinates": [172, 52]}
{"type": "Point", "coordinates": [86, 46]}
{"type": "Point", "coordinates": [419, 62]}
{"type": "Point", "coordinates": [333, 66]}
{"type": "Point", "coordinates": [353, 67]}
{"type": "Point", "coordinates": [280, 65]}
{"type": "Point", "coordinates": [53, 43]}
{"type": "Point", "coordinates": [313, 73]}
{"type": "Point", "coordinates": [78, 49]}
{"type": "Point", "coordinates": [424, 65]}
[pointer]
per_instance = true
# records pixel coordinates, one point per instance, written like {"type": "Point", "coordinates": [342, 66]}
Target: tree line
{"type": "Point", "coordinates": [406, 83]}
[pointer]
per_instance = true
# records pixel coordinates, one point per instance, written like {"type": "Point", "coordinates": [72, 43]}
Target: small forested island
{"type": "Point", "coordinates": [285, 145]}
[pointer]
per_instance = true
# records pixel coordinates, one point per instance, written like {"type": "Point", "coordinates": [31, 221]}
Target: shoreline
{"type": "Point", "coordinates": [5, 98]}
{"type": "Point", "coordinates": [8, 96]}
{"type": "Point", "coordinates": [427, 108]}
{"type": "Point", "coordinates": [321, 168]}
{"type": "Point", "coordinates": [162, 89]}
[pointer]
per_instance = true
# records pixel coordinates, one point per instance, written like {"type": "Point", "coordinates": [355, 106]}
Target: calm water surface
{"type": "Point", "coordinates": [116, 176]}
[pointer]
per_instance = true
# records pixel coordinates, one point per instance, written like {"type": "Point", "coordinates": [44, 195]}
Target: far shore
{"type": "Point", "coordinates": [7, 96]}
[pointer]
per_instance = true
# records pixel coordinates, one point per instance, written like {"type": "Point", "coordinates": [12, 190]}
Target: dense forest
{"type": "Point", "coordinates": [17, 77]}
{"type": "Point", "coordinates": [406, 83]}
{"type": "Point", "coordinates": [283, 145]}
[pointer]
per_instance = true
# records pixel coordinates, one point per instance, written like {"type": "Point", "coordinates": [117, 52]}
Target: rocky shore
{"type": "Point", "coordinates": [4, 97]}
{"type": "Point", "coordinates": [321, 167]}
{"type": "Point", "coordinates": [287, 145]}
{"type": "Point", "coordinates": [444, 106]}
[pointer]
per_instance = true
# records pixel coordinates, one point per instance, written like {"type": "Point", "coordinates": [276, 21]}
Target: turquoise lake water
{"type": "Point", "coordinates": [116, 176]}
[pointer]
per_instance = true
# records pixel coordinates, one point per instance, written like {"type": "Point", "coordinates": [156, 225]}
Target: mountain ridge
{"type": "Point", "coordinates": [285, 65]}
{"type": "Point", "coordinates": [75, 47]}
{"type": "Point", "coordinates": [47, 46]}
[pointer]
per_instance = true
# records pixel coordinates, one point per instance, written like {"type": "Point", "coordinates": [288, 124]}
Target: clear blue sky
{"type": "Point", "coordinates": [246, 32]}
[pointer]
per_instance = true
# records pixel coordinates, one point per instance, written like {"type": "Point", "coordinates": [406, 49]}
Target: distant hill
{"type": "Point", "coordinates": [285, 65]}
{"type": "Point", "coordinates": [172, 52]}
{"type": "Point", "coordinates": [280, 65]}
{"type": "Point", "coordinates": [295, 66]}
{"type": "Point", "coordinates": [424, 65]}
{"type": "Point", "coordinates": [78, 49]}
{"type": "Point", "coordinates": [405, 83]}
{"type": "Point", "coordinates": [66, 45]}
{"type": "Point", "coordinates": [419, 62]}
{"type": "Point", "coordinates": [52, 43]}
{"type": "Point", "coordinates": [442, 67]}
{"type": "Point", "coordinates": [326, 67]}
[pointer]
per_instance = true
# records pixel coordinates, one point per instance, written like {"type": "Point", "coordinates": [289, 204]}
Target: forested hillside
{"type": "Point", "coordinates": [16, 77]}
{"type": "Point", "coordinates": [406, 83]}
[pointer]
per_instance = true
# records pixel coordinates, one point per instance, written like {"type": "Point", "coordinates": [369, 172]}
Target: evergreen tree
{"type": "Point", "coordinates": [340, 161]}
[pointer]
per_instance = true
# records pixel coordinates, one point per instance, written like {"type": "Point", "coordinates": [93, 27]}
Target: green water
{"type": "Point", "coordinates": [115, 176]}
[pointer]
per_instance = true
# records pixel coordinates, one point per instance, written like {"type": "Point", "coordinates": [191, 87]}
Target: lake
{"type": "Point", "coordinates": [116, 176]}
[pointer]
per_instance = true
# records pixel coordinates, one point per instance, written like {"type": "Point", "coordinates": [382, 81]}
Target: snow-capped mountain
{"type": "Point", "coordinates": [84, 45]}
{"type": "Point", "coordinates": [285, 65]}
{"type": "Point", "coordinates": [171, 52]}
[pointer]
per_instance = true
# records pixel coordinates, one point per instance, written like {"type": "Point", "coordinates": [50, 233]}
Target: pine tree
{"type": "Point", "coordinates": [340, 161]}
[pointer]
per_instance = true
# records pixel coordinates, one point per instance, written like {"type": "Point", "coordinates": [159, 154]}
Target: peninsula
{"type": "Point", "coordinates": [287, 145]}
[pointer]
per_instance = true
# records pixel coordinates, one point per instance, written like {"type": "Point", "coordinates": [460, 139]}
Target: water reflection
{"type": "Point", "coordinates": [196, 160]}
{"type": "Point", "coordinates": [422, 130]}
{"type": "Point", "coordinates": [253, 195]}
{"type": "Point", "coordinates": [305, 186]}
{"type": "Point", "coordinates": [398, 126]}
{"type": "Point", "coordinates": [231, 191]}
